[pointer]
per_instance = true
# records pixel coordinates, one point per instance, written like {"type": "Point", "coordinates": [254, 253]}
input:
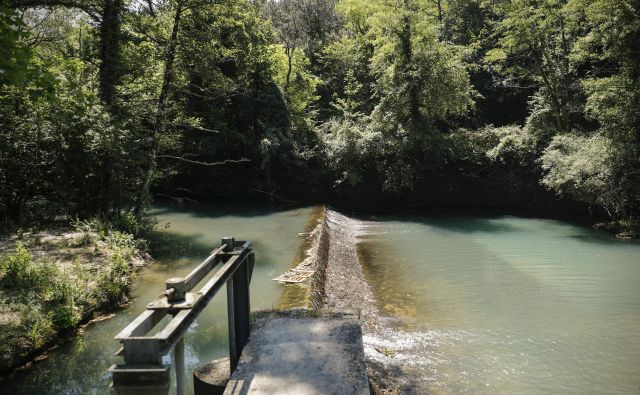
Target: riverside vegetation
{"type": "Point", "coordinates": [527, 104]}
{"type": "Point", "coordinates": [106, 105]}
{"type": "Point", "coordinates": [57, 280]}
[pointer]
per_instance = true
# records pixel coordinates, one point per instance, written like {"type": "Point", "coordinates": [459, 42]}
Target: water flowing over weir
{"type": "Point", "coordinates": [340, 283]}
{"type": "Point", "coordinates": [345, 284]}
{"type": "Point", "coordinates": [484, 304]}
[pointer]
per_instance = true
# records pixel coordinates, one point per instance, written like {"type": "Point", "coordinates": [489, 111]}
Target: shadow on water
{"type": "Point", "coordinates": [213, 211]}
{"type": "Point", "coordinates": [503, 301]}
{"type": "Point", "coordinates": [461, 224]}
{"type": "Point", "coordinates": [602, 238]}
{"type": "Point", "coordinates": [167, 245]}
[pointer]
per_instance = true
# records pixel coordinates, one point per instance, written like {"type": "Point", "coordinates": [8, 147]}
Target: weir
{"type": "Point", "coordinates": [296, 351]}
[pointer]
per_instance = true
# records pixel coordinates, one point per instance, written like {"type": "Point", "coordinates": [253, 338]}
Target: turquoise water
{"type": "Point", "coordinates": [496, 305]}
{"type": "Point", "coordinates": [505, 305]}
{"type": "Point", "coordinates": [80, 367]}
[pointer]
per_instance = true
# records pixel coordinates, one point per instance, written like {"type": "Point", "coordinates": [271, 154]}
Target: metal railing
{"type": "Point", "coordinates": [143, 371]}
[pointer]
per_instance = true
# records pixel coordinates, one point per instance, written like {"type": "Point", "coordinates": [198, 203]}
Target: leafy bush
{"type": "Point", "coordinates": [65, 314]}
{"type": "Point", "coordinates": [581, 167]}
{"type": "Point", "coordinates": [128, 223]}
{"type": "Point", "coordinates": [510, 145]}
{"type": "Point", "coordinates": [90, 231]}
{"type": "Point", "coordinates": [35, 324]}
{"type": "Point", "coordinates": [17, 268]}
{"type": "Point", "coordinates": [114, 283]}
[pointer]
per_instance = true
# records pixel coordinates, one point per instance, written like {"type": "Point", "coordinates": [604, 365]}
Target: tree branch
{"type": "Point", "coordinates": [91, 9]}
{"type": "Point", "coordinates": [195, 162]}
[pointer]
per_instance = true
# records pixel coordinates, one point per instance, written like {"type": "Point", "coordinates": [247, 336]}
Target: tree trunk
{"type": "Point", "coordinates": [110, 59]}
{"type": "Point", "coordinates": [159, 117]}
{"type": "Point", "coordinates": [289, 51]}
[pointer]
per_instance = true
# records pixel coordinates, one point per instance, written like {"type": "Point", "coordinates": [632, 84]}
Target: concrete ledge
{"type": "Point", "coordinates": [302, 352]}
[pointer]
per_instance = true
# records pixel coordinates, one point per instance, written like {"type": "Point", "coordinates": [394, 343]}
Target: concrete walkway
{"type": "Point", "coordinates": [302, 353]}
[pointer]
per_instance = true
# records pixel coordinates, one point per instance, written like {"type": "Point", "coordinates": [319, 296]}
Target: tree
{"type": "Point", "coordinates": [108, 15]}
{"type": "Point", "coordinates": [535, 40]}
{"type": "Point", "coordinates": [14, 54]}
{"type": "Point", "coordinates": [422, 81]}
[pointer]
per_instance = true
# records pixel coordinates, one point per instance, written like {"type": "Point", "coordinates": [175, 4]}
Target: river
{"type": "Point", "coordinates": [504, 304]}
{"type": "Point", "coordinates": [466, 304]}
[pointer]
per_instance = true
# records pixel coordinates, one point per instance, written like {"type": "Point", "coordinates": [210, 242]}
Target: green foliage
{"type": "Point", "coordinates": [420, 80]}
{"type": "Point", "coordinates": [14, 55]}
{"type": "Point", "coordinates": [512, 145]}
{"type": "Point", "coordinates": [114, 283]}
{"type": "Point", "coordinates": [43, 282]}
{"type": "Point", "coordinates": [128, 223]}
{"type": "Point", "coordinates": [43, 299]}
{"type": "Point", "coordinates": [301, 86]}
{"type": "Point", "coordinates": [349, 82]}
{"type": "Point", "coordinates": [36, 324]}
{"type": "Point", "coordinates": [65, 314]}
{"type": "Point", "coordinates": [114, 280]}
{"type": "Point", "coordinates": [316, 97]}
{"type": "Point", "coordinates": [580, 167]}
{"type": "Point", "coordinates": [361, 154]}
{"type": "Point", "coordinates": [17, 269]}
{"type": "Point", "coordinates": [535, 40]}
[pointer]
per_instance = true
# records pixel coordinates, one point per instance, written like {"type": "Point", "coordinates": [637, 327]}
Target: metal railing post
{"type": "Point", "coordinates": [234, 355]}
{"type": "Point", "coordinates": [178, 356]}
{"type": "Point", "coordinates": [238, 307]}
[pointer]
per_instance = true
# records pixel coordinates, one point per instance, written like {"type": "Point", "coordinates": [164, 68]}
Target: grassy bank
{"type": "Point", "coordinates": [53, 281]}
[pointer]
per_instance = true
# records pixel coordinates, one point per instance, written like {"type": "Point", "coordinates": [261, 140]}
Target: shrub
{"type": "Point", "coordinates": [36, 325]}
{"type": "Point", "coordinates": [582, 168]}
{"type": "Point", "coordinates": [16, 267]}
{"type": "Point", "coordinates": [65, 314]}
{"type": "Point", "coordinates": [114, 283]}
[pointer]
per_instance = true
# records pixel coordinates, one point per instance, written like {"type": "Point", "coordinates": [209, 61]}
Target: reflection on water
{"type": "Point", "coordinates": [80, 367]}
{"type": "Point", "coordinates": [505, 305]}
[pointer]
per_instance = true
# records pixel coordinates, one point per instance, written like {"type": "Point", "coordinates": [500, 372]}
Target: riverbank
{"type": "Point", "coordinates": [55, 281]}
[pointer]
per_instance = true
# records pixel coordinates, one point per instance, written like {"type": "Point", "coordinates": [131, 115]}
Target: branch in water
{"type": "Point", "coordinates": [179, 200]}
{"type": "Point", "coordinates": [195, 162]}
{"type": "Point", "coordinates": [273, 195]}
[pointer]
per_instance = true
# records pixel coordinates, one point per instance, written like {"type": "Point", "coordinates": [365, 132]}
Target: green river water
{"type": "Point", "coordinates": [80, 367]}
{"type": "Point", "coordinates": [505, 305]}
{"type": "Point", "coordinates": [490, 305]}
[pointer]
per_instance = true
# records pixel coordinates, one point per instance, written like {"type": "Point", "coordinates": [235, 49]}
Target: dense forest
{"type": "Point", "coordinates": [108, 105]}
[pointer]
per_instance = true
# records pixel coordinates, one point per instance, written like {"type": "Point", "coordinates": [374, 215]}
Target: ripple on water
{"type": "Point", "coordinates": [504, 305]}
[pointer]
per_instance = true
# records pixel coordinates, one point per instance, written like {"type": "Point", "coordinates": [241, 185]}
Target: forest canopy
{"type": "Point", "coordinates": [108, 105]}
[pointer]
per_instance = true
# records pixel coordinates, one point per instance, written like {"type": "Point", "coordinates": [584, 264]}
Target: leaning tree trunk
{"type": "Point", "coordinates": [159, 117]}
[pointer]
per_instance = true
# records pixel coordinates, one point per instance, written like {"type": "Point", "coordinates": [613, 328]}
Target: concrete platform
{"type": "Point", "coordinates": [302, 353]}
